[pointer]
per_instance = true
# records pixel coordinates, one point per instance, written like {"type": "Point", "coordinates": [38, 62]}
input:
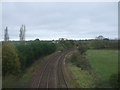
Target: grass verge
{"type": "Point", "coordinates": [104, 63]}
{"type": "Point", "coordinates": [83, 78]}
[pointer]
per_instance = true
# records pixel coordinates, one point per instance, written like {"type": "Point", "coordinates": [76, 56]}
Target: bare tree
{"type": "Point", "coordinates": [6, 36]}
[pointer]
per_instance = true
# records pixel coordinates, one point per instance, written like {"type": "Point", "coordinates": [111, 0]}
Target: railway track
{"type": "Point", "coordinates": [62, 83]}
{"type": "Point", "coordinates": [45, 76]}
{"type": "Point", "coordinates": [40, 73]}
{"type": "Point", "coordinates": [51, 74]}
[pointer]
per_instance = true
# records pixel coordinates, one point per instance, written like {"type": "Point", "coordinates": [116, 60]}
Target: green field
{"type": "Point", "coordinates": [104, 63]}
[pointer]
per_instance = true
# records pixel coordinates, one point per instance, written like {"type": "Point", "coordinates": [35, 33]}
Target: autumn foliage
{"type": "Point", "coordinates": [17, 57]}
{"type": "Point", "coordinates": [10, 59]}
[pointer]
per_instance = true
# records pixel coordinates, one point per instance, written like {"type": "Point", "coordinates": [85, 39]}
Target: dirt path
{"type": "Point", "coordinates": [52, 73]}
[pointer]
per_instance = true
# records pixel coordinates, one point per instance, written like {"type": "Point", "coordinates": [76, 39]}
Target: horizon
{"type": "Point", "coordinates": [59, 38]}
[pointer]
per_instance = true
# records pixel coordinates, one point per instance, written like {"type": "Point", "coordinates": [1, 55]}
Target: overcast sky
{"type": "Point", "coordinates": [61, 20]}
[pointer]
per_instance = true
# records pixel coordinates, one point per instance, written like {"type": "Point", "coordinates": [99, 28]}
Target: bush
{"type": "Point", "coordinates": [10, 59]}
{"type": "Point", "coordinates": [82, 48]}
{"type": "Point", "coordinates": [80, 61]}
{"type": "Point", "coordinates": [114, 80]}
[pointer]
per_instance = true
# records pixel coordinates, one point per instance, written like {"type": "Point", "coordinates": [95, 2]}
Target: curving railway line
{"type": "Point", "coordinates": [62, 83]}
{"type": "Point", "coordinates": [51, 74]}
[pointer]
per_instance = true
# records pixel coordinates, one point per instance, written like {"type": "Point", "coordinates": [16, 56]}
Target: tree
{"type": "Point", "coordinates": [107, 39]}
{"type": "Point", "coordinates": [82, 48]}
{"type": "Point", "coordinates": [65, 44]}
{"type": "Point", "coordinates": [22, 33]}
{"type": "Point", "coordinates": [6, 35]}
{"type": "Point", "coordinates": [100, 42]}
{"type": "Point", "coordinates": [100, 37]}
{"type": "Point", "coordinates": [31, 51]}
{"type": "Point", "coordinates": [37, 39]}
{"type": "Point", "coordinates": [10, 59]}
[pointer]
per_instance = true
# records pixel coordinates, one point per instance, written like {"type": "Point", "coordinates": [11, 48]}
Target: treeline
{"type": "Point", "coordinates": [64, 44]}
{"type": "Point", "coordinates": [99, 44]}
{"type": "Point", "coordinates": [17, 57]}
{"type": "Point", "coordinates": [104, 44]}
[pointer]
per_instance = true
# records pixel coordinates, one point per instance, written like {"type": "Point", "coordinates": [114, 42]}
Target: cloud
{"type": "Point", "coordinates": [57, 20]}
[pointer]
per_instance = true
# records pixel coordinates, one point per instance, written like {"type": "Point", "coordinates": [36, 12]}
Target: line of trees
{"type": "Point", "coordinates": [104, 44]}
{"type": "Point", "coordinates": [65, 44]}
{"type": "Point", "coordinates": [101, 42]}
{"type": "Point", "coordinates": [17, 58]}
{"type": "Point", "coordinates": [31, 51]}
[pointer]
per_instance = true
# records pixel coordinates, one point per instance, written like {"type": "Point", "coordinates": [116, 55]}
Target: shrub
{"type": "Point", "coordinates": [82, 48]}
{"type": "Point", "coordinates": [80, 61]}
{"type": "Point", "coordinates": [114, 80]}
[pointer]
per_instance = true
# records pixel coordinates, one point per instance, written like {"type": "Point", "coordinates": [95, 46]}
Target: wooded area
{"type": "Point", "coordinates": [17, 57]}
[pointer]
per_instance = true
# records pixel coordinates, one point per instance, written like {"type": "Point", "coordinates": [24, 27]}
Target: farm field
{"type": "Point", "coordinates": [104, 63]}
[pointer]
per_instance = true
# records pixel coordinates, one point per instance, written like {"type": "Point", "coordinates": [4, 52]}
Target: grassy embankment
{"type": "Point", "coordinates": [104, 63]}
{"type": "Point", "coordinates": [25, 79]}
